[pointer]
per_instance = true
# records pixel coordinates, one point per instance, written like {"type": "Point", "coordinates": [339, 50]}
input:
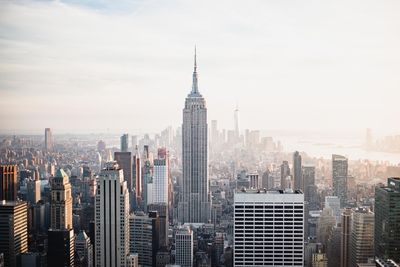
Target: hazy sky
{"type": "Point", "coordinates": [301, 65]}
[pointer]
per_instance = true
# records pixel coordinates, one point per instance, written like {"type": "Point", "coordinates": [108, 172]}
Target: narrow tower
{"type": "Point", "coordinates": [195, 204]}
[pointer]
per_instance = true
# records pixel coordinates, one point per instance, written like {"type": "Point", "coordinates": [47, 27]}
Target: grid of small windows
{"type": "Point", "coordinates": [268, 234]}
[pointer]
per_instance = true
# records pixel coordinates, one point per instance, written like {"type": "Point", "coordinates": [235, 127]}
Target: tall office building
{"type": "Point", "coordinates": [297, 172]}
{"type": "Point", "coordinates": [137, 176]}
{"type": "Point", "coordinates": [124, 142]}
{"type": "Point", "coordinates": [33, 190]}
{"type": "Point", "coordinates": [285, 172]}
{"type": "Point", "coordinates": [362, 236]}
{"type": "Point", "coordinates": [387, 218]}
{"type": "Point", "coordinates": [111, 217]}
{"type": "Point", "coordinates": [61, 234]}
{"type": "Point", "coordinates": [339, 178]}
{"type": "Point", "coordinates": [84, 249]}
{"type": "Point", "coordinates": [268, 228]}
{"type": "Point", "coordinates": [345, 238]}
{"type": "Point", "coordinates": [333, 246]}
{"type": "Point", "coordinates": [160, 192]}
{"type": "Point", "coordinates": [124, 160]}
{"type": "Point", "coordinates": [184, 247]}
{"type": "Point", "coordinates": [61, 201]}
{"type": "Point", "coordinates": [147, 183]}
{"type": "Point", "coordinates": [195, 205]}
{"type": "Point", "coordinates": [61, 247]}
{"type": "Point", "coordinates": [48, 139]}
{"type": "Point", "coordinates": [236, 121]}
{"type": "Point", "coordinates": [160, 181]}
{"type": "Point", "coordinates": [143, 237]}
{"type": "Point", "coordinates": [8, 182]}
{"type": "Point", "coordinates": [13, 230]}
{"type": "Point", "coordinates": [310, 189]}
{"type": "Point", "coordinates": [326, 222]}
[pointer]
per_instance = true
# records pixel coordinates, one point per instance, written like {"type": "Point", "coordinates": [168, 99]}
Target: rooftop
{"type": "Point", "coordinates": [265, 191]}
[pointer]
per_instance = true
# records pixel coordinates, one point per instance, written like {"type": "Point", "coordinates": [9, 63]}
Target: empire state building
{"type": "Point", "coordinates": [195, 203]}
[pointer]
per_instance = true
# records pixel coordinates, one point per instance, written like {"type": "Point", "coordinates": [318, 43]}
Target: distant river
{"type": "Point", "coordinates": [326, 146]}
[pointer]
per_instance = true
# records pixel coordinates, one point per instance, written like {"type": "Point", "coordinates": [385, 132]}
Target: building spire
{"type": "Point", "coordinates": [195, 88]}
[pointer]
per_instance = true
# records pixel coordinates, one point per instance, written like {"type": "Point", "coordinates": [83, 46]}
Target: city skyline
{"type": "Point", "coordinates": [261, 56]}
{"type": "Point", "coordinates": [282, 150]}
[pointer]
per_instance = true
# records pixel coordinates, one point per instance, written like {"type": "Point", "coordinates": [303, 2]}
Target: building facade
{"type": "Point", "coordinates": [297, 172]}
{"type": "Point", "coordinates": [13, 230]}
{"type": "Point", "coordinates": [61, 201]}
{"type": "Point", "coordinates": [111, 218]}
{"type": "Point", "coordinates": [195, 204]}
{"type": "Point", "coordinates": [8, 182]}
{"type": "Point", "coordinates": [184, 247]}
{"type": "Point", "coordinates": [362, 236]}
{"type": "Point", "coordinates": [124, 160]}
{"type": "Point", "coordinates": [339, 178]}
{"type": "Point", "coordinates": [268, 228]}
{"type": "Point", "coordinates": [144, 237]}
{"type": "Point", "coordinates": [48, 139]}
{"type": "Point", "coordinates": [285, 172]}
{"type": "Point", "coordinates": [387, 218]}
{"type": "Point", "coordinates": [61, 247]}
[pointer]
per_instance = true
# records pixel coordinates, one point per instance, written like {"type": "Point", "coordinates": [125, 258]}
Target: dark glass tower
{"type": "Point", "coordinates": [387, 220]}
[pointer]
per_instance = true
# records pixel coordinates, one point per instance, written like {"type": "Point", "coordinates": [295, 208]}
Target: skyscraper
{"type": "Point", "coordinates": [285, 172]}
{"type": "Point", "coordinates": [268, 228]}
{"type": "Point", "coordinates": [297, 172]}
{"type": "Point", "coordinates": [160, 181]}
{"type": "Point", "coordinates": [111, 217]}
{"type": "Point", "coordinates": [84, 249]}
{"type": "Point", "coordinates": [61, 247]}
{"type": "Point", "coordinates": [236, 119]}
{"type": "Point", "coordinates": [195, 204]}
{"type": "Point", "coordinates": [8, 182]}
{"type": "Point", "coordinates": [339, 178]}
{"type": "Point", "coordinates": [124, 142]}
{"type": "Point", "coordinates": [13, 230]}
{"type": "Point", "coordinates": [387, 218]}
{"type": "Point", "coordinates": [61, 201]}
{"type": "Point", "coordinates": [160, 192]}
{"type": "Point", "coordinates": [143, 236]}
{"type": "Point", "coordinates": [48, 139]}
{"type": "Point", "coordinates": [137, 176]}
{"type": "Point", "coordinates": [124, 160]}
{"type": "Point", "coordinates": [362, 236]}
{"type": "Point", "coordinates": [184, 247]}
{"type": "Point", "coordinates": [33, 191]}
{"type": "Point", "coordinates": [61, 234]}
{"type": "Point", "coordinates": [310, 189]}
{"type": "Point", "coordinates": [345, 238]}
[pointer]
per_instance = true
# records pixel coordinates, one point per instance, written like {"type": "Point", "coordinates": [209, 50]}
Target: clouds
{"type": "Point", "coordinates": [128, 65]}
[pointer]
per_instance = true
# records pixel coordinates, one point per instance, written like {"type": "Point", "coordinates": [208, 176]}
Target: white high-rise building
{"type": "Point", "coordinates": [268, 228]}
{"type": "Point", "coordinates": [195, 203]}
{"type": "Point", "coordinates": [184, 247]}
{"type": "Point", "coordinates": [160, 181]}
{"type": "Point", "coordinates": [111, 217]}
